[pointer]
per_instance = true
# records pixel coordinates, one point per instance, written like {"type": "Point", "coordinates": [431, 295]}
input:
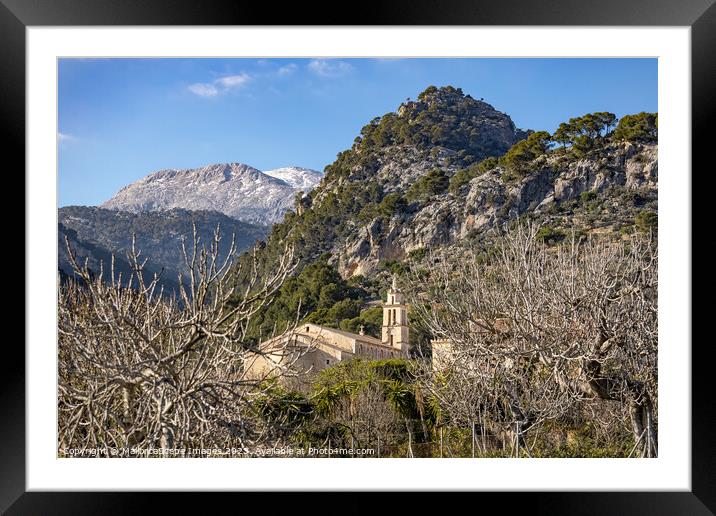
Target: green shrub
{"type": "Point", "coordinates": [391, 204]}
{"type": "Point", "coordinates": [433, 183]}
{"type": "Point", "coordinates": [646, 221]}
{"type": "Point", "coordinates": [587, 197]}
{"type": "Point", "coordinates": [518, 159]}
{"type": "Point", "coordinates": [369, 212]}
{"type": "Point", "coordinates": [550, 235]}
{"type": "Point", "coordinates": [417, 255]}
{"type": "Point", "coordinates": [626, 229]}
{"type": "Point", "coordinates": [460, 179]}
{"type": "Point", "coordinates": [393, 266]}
{"type": "Point", "coordinates": [464, 176]}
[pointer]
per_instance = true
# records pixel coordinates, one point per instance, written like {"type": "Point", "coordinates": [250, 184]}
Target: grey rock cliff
{"type": "Point", "coordinates": [550, 192]}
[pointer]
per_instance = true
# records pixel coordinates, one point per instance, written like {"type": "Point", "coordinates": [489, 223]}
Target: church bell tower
{"type": "Point", "coordinates": [395, 320]}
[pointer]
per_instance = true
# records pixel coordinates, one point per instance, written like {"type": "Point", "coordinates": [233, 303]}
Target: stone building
{"type": "Point", "coordinates": [311, 347]}
{"type": "Point", "coordinates": [442, 349]}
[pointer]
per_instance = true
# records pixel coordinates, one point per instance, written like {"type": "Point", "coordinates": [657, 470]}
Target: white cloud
{"type": "Point", "coordinates": [204, 89]}
{"type": "Point", "coordinates": [286, 70]}
{"type": "Point", "coordinates": [64, 137]}
{"type": "Point", "coordinates": [329, 68]}
{"type": "Point", "coordinates": [233, 81]}
{"type": "Point", "coordinates": [219, 86]}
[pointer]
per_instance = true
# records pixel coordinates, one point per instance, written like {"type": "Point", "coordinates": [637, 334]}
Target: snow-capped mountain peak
{"type": "Point", "coordinates": [300, 178]}
{"type": "Point", "coordinates": [235, 189]}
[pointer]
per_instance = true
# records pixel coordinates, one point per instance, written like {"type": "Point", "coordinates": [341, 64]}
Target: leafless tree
{"type": "Point", "coordinates": [142, 372]}
{"type": "Point", "coordinates": [365, 417]}
{"type": "Point", "coordinates": [533, 330]}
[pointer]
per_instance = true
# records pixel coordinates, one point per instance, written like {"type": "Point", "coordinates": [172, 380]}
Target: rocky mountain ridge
{"type": "Point", "coordinates": [234, 189]}
{"type": "Point", "coordinates": [605, 190]}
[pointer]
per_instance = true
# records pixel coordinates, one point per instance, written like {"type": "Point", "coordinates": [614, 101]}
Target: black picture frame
{"type": "Point", "coordinates": [700, 15]}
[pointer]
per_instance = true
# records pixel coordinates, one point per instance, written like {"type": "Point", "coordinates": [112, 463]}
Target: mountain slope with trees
{"type": "Point", "coordinates": [447, 168]}
{"type": "Point", "coordinates": [100, 232]}
{"type": "Point", "coordinates": [442, 129]}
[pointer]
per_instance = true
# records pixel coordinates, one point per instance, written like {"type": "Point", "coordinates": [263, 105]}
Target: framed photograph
{"type": "Point", "coordinates": [419, 251]}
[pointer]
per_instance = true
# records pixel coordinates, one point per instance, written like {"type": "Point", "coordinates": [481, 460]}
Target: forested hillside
{"type": "Point", "coordinates": [158, 235]}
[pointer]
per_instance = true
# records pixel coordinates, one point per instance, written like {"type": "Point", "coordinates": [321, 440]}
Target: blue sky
{"type": "Point", "coordinates": [120, 119]}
